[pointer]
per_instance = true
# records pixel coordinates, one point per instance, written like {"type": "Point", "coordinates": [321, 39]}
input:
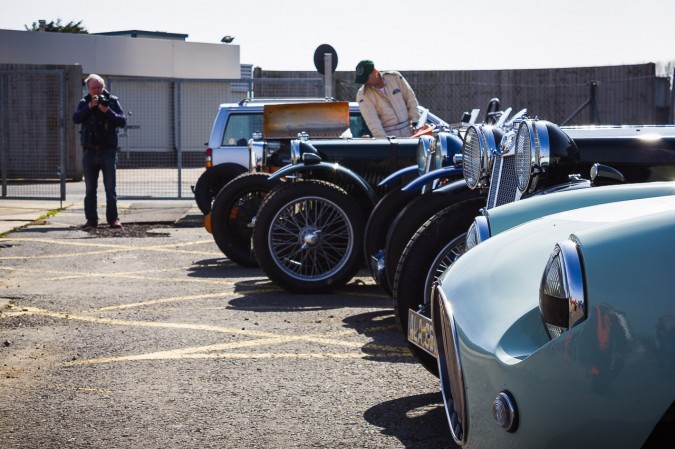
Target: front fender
{"type": "Point", "coordinates": [432, 176]}
{"type": "Point", "coordinates": [294, 169]}
{"type": "Point", "coordinates": [398, 174]}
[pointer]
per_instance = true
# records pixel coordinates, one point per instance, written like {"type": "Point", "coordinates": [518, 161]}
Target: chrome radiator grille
{"type": "Point", "coordinates": [503, 183]}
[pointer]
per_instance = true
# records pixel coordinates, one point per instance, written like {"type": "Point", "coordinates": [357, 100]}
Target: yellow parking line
{"type": "Point", "coordinates": [109, 248]}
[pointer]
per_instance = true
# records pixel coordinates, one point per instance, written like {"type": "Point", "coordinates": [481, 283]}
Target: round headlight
{"type": "Point", "coordinates": [472, 156]}
{"type": "Point", "coordinates": [425, 147]}
{"type": "Point", "coordinates": [561, 295]}
{"type": "Point", "coordinates": [478, 232]}
{"type": "Point", "coordinates": [524, 151]}
{"type": "Point", "coordinates": [295, 151]}
{"type": "Point", "coordinates": [447, 145]}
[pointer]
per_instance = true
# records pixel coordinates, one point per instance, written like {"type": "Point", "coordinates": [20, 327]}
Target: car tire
{"type": "Point", "coordinates": [211, 181]}
{"type": "Point", "coordinates": [413, 215]}
{"type": "Point", "coordinates": [308, 236]}
{"type": "Point", "coordinates": [379, 221]}
{"type": "Point", "coordinates": [233, 210]}
{"type": "Point", "coordinates": [419, 266]}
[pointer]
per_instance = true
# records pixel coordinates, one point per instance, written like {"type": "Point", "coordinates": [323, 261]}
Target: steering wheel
{"type": "Point", "coordinates": [492, 111]}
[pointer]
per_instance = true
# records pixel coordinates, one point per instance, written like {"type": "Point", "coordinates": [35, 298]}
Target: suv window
{"type": "Point", "coordinates": [240, 128]}
{"type": "Point", "coordinates": [357, 125]}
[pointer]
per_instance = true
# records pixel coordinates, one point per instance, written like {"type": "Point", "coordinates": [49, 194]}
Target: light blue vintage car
{"type": "Point", "coordinates": [560, 332]}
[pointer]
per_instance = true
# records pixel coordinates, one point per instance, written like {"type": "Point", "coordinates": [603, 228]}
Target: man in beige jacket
{"type": "Point", "coordinates": [387, 102]}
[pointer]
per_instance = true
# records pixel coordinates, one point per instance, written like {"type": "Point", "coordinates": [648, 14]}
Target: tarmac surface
{"type": "Point", "coordinates": [148, 336]}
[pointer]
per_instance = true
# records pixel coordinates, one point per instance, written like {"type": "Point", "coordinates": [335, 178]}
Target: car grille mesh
{"type": "Point", "coordinates": [494, 181]}
{"type": "Point", "coordinates": [503, 183]}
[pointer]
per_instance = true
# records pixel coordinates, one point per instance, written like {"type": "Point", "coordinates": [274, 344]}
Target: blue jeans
{"type": "Point", "coordinates": [104, 161]}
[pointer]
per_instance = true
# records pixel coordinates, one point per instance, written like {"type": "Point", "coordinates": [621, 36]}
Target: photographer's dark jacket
{"type": "Point", "coordinates": [99, 130]}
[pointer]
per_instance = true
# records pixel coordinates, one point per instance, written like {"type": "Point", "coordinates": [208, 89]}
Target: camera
{"type": "Point", "coordinates": [104, 100]}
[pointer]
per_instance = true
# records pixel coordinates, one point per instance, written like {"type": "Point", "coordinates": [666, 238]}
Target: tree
{"type": "Point", "coordinates": [57, 27]}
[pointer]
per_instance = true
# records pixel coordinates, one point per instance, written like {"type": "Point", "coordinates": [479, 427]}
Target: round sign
{"type": "Point", "coordinates": [319, 53]}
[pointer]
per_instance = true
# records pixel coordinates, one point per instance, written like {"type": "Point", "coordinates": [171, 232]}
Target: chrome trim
{"type": "Point", "coordinates": [539, 155]}
{"type": "Point", "coordinates": [425, 149]}
{"type": "Point", "coordinates": [569, 280]}
{"type": "Point", "coordinates": [449, 365]}
{"type": "Point", "coordinates": [472, 150]}
{"type": "Point", "coordinates": [505, 412]}
{"type": "Point", "coordinates": [575, 281]}
{"type": "Point", "coordinates": [478, 232]}
{"type": "Point", "coordinates": [295, 151]}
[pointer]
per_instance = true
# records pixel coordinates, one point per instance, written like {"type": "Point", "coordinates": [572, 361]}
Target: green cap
{"type": "Point", "coordinates": [363, 71]}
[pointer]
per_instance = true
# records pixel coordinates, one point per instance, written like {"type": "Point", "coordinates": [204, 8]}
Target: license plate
{"type": "Point", "coordinates": [421, 332]}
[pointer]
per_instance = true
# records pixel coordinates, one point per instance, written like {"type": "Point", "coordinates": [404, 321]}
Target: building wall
{"type": "Point", "coordinates": [121, 56]}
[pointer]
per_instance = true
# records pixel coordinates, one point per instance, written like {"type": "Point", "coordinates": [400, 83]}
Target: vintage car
{"type": "Point", "coordinates": [553, 158]}
{"type": "Point", "coordinates": [560, 332]}
{"type": "Point", "coordinates": [331, 129]}
{"type": "Point", "coordinates": [308, 233]}
{"type": "Point", "coordinates": [397, 216]}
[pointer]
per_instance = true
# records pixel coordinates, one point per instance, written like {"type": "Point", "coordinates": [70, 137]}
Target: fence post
{"type": "Point", "coordinates": [671, 112]}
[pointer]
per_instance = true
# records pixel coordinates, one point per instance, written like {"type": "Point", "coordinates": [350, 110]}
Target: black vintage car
{"type": "Point", "coordinates": [335, 130]}
{"type": "Point", "coordinates": [309, 232]}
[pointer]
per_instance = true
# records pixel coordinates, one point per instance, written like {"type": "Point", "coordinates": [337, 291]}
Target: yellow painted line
{"type": "Point", "coordinates": [109, 248]}
{"type": "Point", "coordinates": [233, 356]}
{"type": "Point", "coordinates": [152, 324]}
{"type": "Point", "coordinates": [264, 339]}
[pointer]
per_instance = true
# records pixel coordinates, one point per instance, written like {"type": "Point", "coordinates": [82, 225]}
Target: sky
{"type": "Point", "coordinates": [395, 34]}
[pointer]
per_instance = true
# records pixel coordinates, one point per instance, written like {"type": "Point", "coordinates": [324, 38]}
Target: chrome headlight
{"type": "Point", "coordinates": [256, 149]}
{"type": "Point", "coordinates": [478, 232]}
{"type": "Point", "coordinates": [479, 144]}
{"type": "Point", "coordinates": [532, 153]}
{"type": "Point", "coordinates": [472, 156]}
{"type": "Point", "coordinates": [447, 146]}
{"type": "Point", "coordinates": [562, 298]}
{"type": "Point", "coordinates": [295, 151]}
{"type": "Point", "coordinates": [300, 146]}
{"type": "Point", "coordinates": [425, 150]}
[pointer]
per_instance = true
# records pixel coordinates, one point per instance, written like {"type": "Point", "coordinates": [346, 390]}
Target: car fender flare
{"type": "Point", "coordinates": [426, 178]}
{"type": "Point", "coordinates": [398, 174]}
{"type": "Point", "coordinates": [325, 166]}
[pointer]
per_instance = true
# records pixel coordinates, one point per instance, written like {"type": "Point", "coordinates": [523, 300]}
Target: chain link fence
{"type": "Point", "coordinates": [169, 120]}
{"type": "Point", "coordinates": [32, 162]}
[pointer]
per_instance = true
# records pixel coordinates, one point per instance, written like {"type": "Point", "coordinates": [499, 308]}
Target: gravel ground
{"type": "Point", "coordinates": [149, 337]}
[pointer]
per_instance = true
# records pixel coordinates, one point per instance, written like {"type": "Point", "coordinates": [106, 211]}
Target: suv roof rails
{"type": "Point", "coordinates": [284, 100]}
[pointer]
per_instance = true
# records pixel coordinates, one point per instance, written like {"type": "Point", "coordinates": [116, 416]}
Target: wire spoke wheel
{"type": "Point", "coordinates": [311, 238]}
{"type": "Point", "coordinates": [308, 236]}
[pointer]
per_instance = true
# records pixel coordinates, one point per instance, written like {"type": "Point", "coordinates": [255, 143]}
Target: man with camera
{"type": "Point", "coordinates": [100, 115]}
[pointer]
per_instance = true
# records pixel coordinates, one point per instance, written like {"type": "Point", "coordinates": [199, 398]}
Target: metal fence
{"type": "Point", "coordinates": [168, 126]}
{"type": "Point", "coordinates": [169, 120]}
{"type": "Point", "coordinates": [32, 161]}
{"type": "Point", "coordinates": [161, 149]}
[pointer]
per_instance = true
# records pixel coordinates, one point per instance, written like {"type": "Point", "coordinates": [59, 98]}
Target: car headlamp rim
{"type": "Point", "coordinates": [473, 149]}
{"type": "Point", "coordinates": [295, 151]}
{"type": "Point", "coordinates": [524, 154]}
{"type": "Point", "coordinates": [478, 232]}
{"type": "Point", "coordinates": [424, 150]}
{"type": "Point", "coordinates": [442, 150]}
{"type": "Point", "coordinates": [542, 155]}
